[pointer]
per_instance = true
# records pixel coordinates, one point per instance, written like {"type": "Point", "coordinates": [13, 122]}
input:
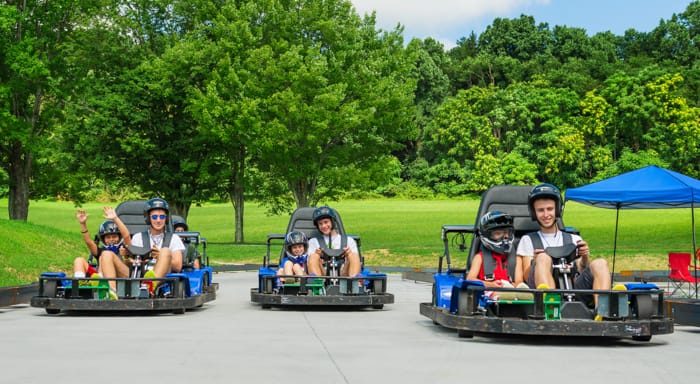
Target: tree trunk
{"type": "Point", "coordinates": [236, 193]}
{"type": "Point", "coordinates": [303, 191]}
{"type": "Point", "coordinates": [19, 172]}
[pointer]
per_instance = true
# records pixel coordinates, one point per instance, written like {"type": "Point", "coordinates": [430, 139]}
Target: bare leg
{"type": "Point", "coordinates": [175, 261]}
{"type": "Point", "coordinates": [601, 276]}
{"type": "Point", "coordinates": [352, 265]}
{"type": "Point", "coordinates": [80, 265]}
{"type": "Point", "coordinates": [297, 270]}
{"type": "Point", "coordinates": [543, 270]}
{"type": "Point", "coordinates": [163, 263]}
{"type": "Point", "coordinates": [315, 266]}
{"type": "Point", "coordinates": [112, 266]}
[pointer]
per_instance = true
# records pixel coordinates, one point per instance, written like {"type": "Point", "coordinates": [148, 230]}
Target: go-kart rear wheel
{"type": "Point", "coordinates": [378, 306]}
{"type": "Point", "coordinates": [53, 311]}
{"type": "Point", "coordinates": [641, 338]}
{"type": "Point", "coordinates": [179, 311]}
{"type": "Point", "coordinates": [644, 307]}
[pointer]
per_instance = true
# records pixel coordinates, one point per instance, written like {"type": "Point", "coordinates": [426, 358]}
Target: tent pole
{"type": "Point", "coordinates": [617, 220]}
{"type": "Point", "coordinates": [692, 221]}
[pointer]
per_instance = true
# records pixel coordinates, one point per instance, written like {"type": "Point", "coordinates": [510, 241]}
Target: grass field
{"type": "Point", "coordinates": [393, 232]}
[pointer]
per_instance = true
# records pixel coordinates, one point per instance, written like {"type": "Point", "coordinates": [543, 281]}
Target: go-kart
{"type": "Point", "coordinates": [176, 292]}
{"type": "Point", "coordinates": [365, 290]}
{"type": "Point", "coordinates": [633, 310]}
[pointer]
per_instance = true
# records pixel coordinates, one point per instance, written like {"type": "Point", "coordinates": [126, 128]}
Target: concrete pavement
{"type": "Point", "coordinates": [231, 340]}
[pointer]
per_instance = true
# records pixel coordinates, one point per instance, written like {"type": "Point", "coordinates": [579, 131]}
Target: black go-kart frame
{"type": "Point", "coordinates": [176, 292]}
{"type": "Point", "coordinates": [366, 290]}
{"type": "Point", "coordinates": [635, 310]}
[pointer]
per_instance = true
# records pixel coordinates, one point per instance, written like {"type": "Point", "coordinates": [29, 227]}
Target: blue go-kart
{"type": "Point", "coordinates": [176, 292]}
{"type": "Point", "coordinates": [631, 310]}
{"type": "Point", "coordinates": [365, 290]}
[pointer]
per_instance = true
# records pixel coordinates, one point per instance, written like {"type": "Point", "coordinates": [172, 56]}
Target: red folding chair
{"type": "Point", "coordinates": [681, 274]}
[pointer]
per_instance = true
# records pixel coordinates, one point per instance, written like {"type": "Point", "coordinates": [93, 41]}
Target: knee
{"type": "Point", "coordinates": [599, 266]}
{"type": "Point", "coordinates": [107, 256]}
{"type": "Point", "coordinates": [314, 258]}
{"type": "Point", "coordinates": [543, 260]}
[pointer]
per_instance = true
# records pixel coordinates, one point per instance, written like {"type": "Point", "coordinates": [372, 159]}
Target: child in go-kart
{"type": "Point", "coordinates": [112, 235]}
{"type": "Point", "coordinates": [180, 225]}
{"type": "Point", "coordinates": [491, 265]}
{"type": "Point", "coordinates": [296, 244]}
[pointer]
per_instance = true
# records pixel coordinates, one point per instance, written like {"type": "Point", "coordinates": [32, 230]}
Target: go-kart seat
{"type": "Point", "coordinates": [302, 220]}
{"type": "Point", "coordinates": [513, 201]}
{"type": "Point", "coordinates": [131, 214]}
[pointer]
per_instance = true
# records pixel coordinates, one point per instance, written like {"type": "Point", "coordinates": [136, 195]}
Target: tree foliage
{"type": "Point", "coordinates": [295, 102]}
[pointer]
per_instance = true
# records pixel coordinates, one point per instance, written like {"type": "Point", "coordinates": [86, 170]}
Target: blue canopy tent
{"type": "Point", "coordinates": [648, 187]}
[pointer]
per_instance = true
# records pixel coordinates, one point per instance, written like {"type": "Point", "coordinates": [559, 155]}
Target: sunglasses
{"type": "Point", "coordinates": [156, 217]}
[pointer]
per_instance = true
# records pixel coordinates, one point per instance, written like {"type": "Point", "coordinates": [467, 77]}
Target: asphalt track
{"type": "Point", "coordinates": [231, 340]}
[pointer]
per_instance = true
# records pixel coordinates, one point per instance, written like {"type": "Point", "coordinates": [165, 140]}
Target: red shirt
{"type": "Point", "coordinates": [500, 272]}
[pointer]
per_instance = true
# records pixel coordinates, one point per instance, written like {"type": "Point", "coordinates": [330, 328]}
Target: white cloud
{"type": "Point", "coordinates": [438, 18]}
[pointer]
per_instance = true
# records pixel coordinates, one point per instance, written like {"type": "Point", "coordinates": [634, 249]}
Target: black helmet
{"type": "Point", "coordinates": [492, 221]}
{"type": "Point", "coordinates": [156, 203]}
{"type": "Point", "coordinates": [322, 213]}
{"type": "Point", "coordinates": [544, 191]}
{"type": "Point", "coordinates": [295, 237]}
{"type": "Point", "coordinates": [108, 227]}
{"type": "Point", "coordinates": [178, 221]}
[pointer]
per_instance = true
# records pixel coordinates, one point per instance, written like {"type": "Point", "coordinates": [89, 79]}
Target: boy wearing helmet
{"type": "Point", "coordinates": [166, 247]}
{"type": "Point", "coordinates": [495, 264]}
{"type": "Point", "coordinates": [296, 244]}
{"type": "Point", "coordinates": [112, 235]}
{"type": "Point", "coordinates": [545, 206]}
{"type": "Point", "coordinates": [180, 225]}
{"type": "Point", "coordinates": [324, 219]}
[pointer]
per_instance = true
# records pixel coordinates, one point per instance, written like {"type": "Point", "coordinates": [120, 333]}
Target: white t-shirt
{"type": "Point", "coordinates": [525, 247]}
{"type": "Point", "coordinates": [335, 243]}
{"type": "Point", "coordinates": [157, 240]}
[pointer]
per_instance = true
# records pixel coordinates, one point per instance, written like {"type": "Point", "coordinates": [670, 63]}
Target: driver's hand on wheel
{"type": "Point", "coordinates": [155, 252]}
{"type": "Point", "coordinates": [583, 251]}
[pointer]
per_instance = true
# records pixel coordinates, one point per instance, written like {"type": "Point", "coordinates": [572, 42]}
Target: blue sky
{"type": "Point", "coordinates": [449, 20]}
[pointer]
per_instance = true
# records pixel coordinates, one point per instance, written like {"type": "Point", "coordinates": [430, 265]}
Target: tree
{"type": "Point", "coordinates": [331, 93]}
{"type": "Point", "coordinates": [33, 83]}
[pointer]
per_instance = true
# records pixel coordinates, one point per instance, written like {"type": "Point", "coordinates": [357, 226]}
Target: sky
{"type": "Point", "coordinates": [449, 20]}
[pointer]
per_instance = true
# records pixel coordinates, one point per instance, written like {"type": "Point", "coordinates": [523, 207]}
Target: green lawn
{"type": "Point", "coordinates": [393, 232]}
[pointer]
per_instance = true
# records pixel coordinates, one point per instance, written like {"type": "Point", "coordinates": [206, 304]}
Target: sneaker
{"type": "Point", "coordinates": [506, 295]}
{"type": "Point", "coordinates": [543, 286]}
{"type": "Point", "coordinates": [151, 285]}
{"type": "Point", "coordinates": [113, 295]}
{"type": "Point", "coordinates": [95, 279]}
{"type": "Point", "coordinates": [524, 295]}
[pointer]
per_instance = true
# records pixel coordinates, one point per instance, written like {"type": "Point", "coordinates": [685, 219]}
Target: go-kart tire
{"type": "Point", "coordinates": [266, 306]}
{"type": "Point", "coordinates": [378, 306]}
{"type": "Point", "coordinates": [644, 307]}
{"type": "Point", "coordinates": [465, 334]}
{"type": "Point", "coordinates": [179, 311]}
{"type": "Point", "coordinates": [641, 338]}
{"type": "Point", "coordinates": [53, 311]}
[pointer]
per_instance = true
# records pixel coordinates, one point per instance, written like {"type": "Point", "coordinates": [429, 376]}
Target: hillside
{"type": "Point", "coordinates": [28, 249]}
